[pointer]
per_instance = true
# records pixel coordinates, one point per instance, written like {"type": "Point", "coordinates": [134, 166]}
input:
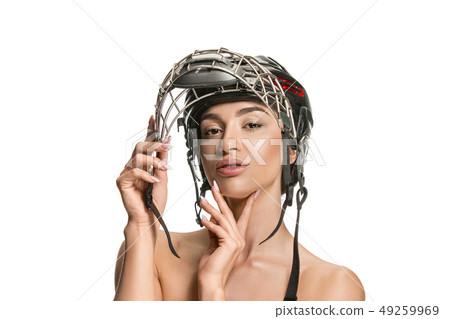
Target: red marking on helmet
{"type": "Point", "coordinates": [291, 87]}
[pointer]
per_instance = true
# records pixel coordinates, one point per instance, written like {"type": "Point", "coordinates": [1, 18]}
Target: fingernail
{"type": "Point", "coordinates": [167, 146]}
{"type": "Point", "coordinates": [203, 199]}
{"type": "Point", "coordinates": [257, 193]}
{"type": "Point", "coordinates": [164, 165]}
{"type": "Point", "coordinates": [167, 166]}
{"type": "Point", "coordinates": [167, 139]}
{"type": "Point", "coordinates": [216, 186]}
{"type": "Point", "coordinates": [156, 179]}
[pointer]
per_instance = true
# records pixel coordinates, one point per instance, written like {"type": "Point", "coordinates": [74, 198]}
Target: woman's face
{"type": "Point", "coordinates": [247, 131]}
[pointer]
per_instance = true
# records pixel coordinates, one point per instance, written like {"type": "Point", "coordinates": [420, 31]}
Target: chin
{"type": "Point", "coordinates": [236, 186]}
{"type": "Point", "coordinates": [236, 194]}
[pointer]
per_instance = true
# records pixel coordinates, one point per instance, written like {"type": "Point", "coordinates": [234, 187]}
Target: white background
{"type": "Point", "coordinates": [78, 82]}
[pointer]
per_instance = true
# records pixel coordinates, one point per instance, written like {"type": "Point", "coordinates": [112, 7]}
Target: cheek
{"type": "Point", "coordinates": [209, 156]}
{"type": "Point", "coordinates": [271, 153]}
{"type": "Point", "coordinates": [206, 152]}
{"type": "Point", "coordinates": [268, 158]}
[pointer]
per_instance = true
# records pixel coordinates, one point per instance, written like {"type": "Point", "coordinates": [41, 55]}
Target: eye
{"type": "Point", "coordinates": [254, 125]}
{"type": "Point", "coordinates": [214, 131]}
{"type": "Point", "coordinates": [211, 130]}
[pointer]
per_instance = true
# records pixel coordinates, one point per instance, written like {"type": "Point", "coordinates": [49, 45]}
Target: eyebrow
{"type": "Point", "coordinates": [214, 116]}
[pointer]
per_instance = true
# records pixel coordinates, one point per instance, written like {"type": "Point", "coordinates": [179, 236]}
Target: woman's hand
{"type": "Point", "coordinates": [226, 242]}
{"type": "Point", "coordinates": [136, 175]}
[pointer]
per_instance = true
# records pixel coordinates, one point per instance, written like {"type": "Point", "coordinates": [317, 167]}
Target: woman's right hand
{"type": "Point", "coordinates": [136, 175]}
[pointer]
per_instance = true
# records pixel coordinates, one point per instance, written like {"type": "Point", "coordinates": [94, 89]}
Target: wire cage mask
{"type": "Point", "coordinates": [207, 77]}
{"type": "Point", "coordinates": [229, 73]}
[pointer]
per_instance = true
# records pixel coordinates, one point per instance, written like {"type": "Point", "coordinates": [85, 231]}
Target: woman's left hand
{"type": "Point", "coordinates": [226, 241]}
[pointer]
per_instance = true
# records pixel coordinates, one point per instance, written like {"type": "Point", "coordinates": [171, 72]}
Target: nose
{"type": "Point", "coordinates": [231, 140]}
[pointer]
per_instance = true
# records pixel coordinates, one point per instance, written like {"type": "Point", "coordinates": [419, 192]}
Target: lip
{"type": "Point", "coordinates": [231, 170]}
{"type": "Point", "coordinates": [230, 161]}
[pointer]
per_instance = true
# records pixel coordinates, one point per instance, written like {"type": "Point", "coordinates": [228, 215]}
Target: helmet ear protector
{"type": "Point", "coordinates": [209, 77]}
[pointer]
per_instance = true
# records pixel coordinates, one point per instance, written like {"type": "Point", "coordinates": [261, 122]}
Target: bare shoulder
{"type": "Point", "coordinates": [195, 239]}
{"type": "Point", "coordinates": [327, 281]}
{"type": "Point", "coordinates": [171, 272]}
{"type": "Point", "coordinates": [187, 245]}
{"type": "Point", "coordinates": [178, 276]}
{"type": "Point", "coordinates": [341, 283]}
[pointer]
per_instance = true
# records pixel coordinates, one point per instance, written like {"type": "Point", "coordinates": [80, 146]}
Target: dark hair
{"type": "Point", "coordinates": [293, 167]}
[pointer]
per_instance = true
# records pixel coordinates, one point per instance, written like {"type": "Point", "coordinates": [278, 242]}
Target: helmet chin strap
{"type": "Point", "coordinates": [291, 291]}
{"type": "Point", "coordinates": [151, 206]}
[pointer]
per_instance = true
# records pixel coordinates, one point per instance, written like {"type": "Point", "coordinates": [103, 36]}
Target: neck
{"type": "Point", "coordinates": [262, 221]}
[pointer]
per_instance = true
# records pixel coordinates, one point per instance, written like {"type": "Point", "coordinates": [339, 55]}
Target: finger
{"type": "Point", "coordinates": [213, 220]}
{"type": "Point", "coordinates": [151, 136]}
{"type": "Point", "coordinates": [224, 208]}
{"type": "Point", "coordinates": [146, 163]}
{"type": "Point", "coordinates": [163, 153]}
{"type": "Point", "coordinates": [132, 175]}
{"type": "Point", "coordinates": [242, 222]}
{"type": "Point", "coordinates": [216, 229]}
{"type": "Point", "coordinates": [218, 216]}
{"type": "Point", "coordinates": [148, 148]}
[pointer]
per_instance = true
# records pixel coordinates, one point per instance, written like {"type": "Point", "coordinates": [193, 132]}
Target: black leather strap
{"type": "Point", "coordinates": [291, 291]}
{"type": "Point", "coordinates": [152, 207]}
{"type": "Point", "coordinates": [280, 220]}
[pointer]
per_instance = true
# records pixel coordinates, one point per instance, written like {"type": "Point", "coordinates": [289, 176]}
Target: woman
{"type": "Point", "coordinates": [240, 147]}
